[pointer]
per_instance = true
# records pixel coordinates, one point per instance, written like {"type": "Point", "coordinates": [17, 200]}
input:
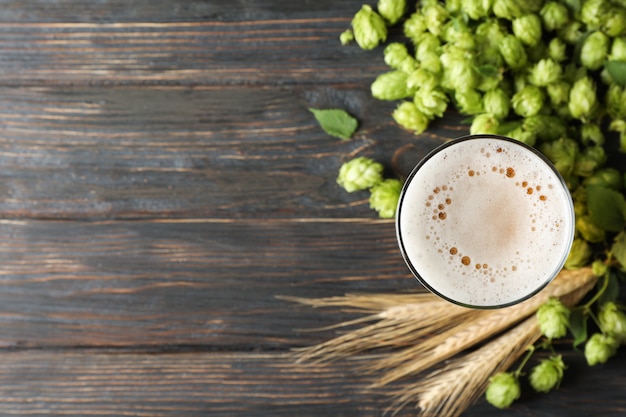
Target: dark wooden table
{"type": "Point", "coordinates": [162, 181]}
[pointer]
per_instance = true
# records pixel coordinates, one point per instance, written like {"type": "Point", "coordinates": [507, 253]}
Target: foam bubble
{"type": "Point", "coordinates": [502, 232]}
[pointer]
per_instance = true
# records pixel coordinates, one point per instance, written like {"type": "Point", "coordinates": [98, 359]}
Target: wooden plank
{"type": "Point", "coordinates": [82, 11]}
{"type": "Point", "coordinates": [104, 383]}
{"type": "Point", "coordinates": [285, 50]}
{"type": "Point", "coordinates": [227, 152]}
{"type": "Point", "coordinates": [209, 283]}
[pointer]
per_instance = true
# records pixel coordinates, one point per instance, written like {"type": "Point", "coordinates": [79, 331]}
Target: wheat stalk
{"type": "Point", "coordinates": [475, 329]}
{"type": "Point", "coordinates": [425, 331]}
{"type": "Point", "coordinates": [450, 390]}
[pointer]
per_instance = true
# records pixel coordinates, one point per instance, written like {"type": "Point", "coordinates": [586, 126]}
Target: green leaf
{"type": "Point", "coordinates": [336, 122]}
{"type": "Point", "coordinates": [574, 5]}
{"type": "Point", "coordinates": [619, 248]}
{"type": "Point", "coordinates": [617, 71]}
{"type": "Point", "coordinates": [578, 326]}
{"type": "Point", "coordinates": [487, 71]}
{"type": "Point", "coordinates": [607, 208]}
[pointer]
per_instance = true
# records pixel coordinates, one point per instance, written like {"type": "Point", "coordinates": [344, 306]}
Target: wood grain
{"type": "Point", "coordinates": [105, 383]}
{"type": "Point", "coordinates": [228, 152]}
{"type": "Point", "coordinates": [283, 51]}
{"type": "Point", "coordinates": [206, 283]}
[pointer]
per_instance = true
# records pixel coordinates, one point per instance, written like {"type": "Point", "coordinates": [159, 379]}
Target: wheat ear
{"type": "Point", "coordinates": [474, 329]}
{"type": "Point", "coordinates": [450, 390]}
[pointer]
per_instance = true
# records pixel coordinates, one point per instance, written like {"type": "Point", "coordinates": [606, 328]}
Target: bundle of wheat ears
{"type": "Point", "coordinates": [454, 349]}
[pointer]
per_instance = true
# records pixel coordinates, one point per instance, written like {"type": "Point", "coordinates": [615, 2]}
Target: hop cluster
{"type": "Point", "coordinates": [508, 65]}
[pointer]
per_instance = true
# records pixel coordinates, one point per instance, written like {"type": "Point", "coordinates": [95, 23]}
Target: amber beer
{"type": "Point", "coordinates": [485, 221]}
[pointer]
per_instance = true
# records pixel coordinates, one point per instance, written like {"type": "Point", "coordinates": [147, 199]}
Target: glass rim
{"type": "Point", "coordinates": [455, 141]}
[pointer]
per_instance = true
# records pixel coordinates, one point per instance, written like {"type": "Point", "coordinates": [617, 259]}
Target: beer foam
{"type": "Point", "coordinates": [485, 222]}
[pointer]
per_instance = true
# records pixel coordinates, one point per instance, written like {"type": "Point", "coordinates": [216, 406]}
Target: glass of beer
{"type": "Point", "coordinates": [485, 221]}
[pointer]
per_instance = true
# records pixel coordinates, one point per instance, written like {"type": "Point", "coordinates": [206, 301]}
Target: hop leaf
{"type": "Point", "coordinates": [384, 197]}
{"type": "Point", "coordinates": [548, 374]}
{"type": "Point", "coordinates": [503, 389]}
{"type": "Point", "coordinates": [359, 174]}
{"type": "Point", "coordinates": [336, 122]}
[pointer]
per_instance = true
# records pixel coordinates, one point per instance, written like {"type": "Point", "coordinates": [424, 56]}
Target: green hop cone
{"type": "Point", "coordinates": [394, 54]}
{"type": "Point", "coordinates": [554, 15]}
{"type": "Point", "coordinates": [548, 374]}
{"type": "Point", "coordinates": [599, 268]}
{"type": "Point", "coordinates": [591, 134]}
{"type": "Point", "coordinates": [384, 197]}
{"type": "Point", "coordinates": [588, 230]}
{"type": "Point", "coordinates": [430, 62]}
{"type": "Point", "coordinates": [469, 101]}
{"type": "Point", "coordinates": [414, 27]}
{"type": "Point", "coordinates": [579, 255]}
{"type": "Point", "coordinates": [527, 29]}
{"type": "Point", "coordinates": [459, 72]}
{"type": "Point", "coordinates": [558, 92]}
{"type": "Point", "coordinates": [522, 135]}
{"type": "Point", "coordinates": [616, 102]}
{"type": "Point", "coordinates": [618, 49]}
{"type": "Point", "coordinates": [594, 51]}
{"type": "Point", "coordinates": [599, 348]}
{"type": "Point", "coordinates": [410, 118]}
{"type": "Point", "coordinates": [528, 101]}
{"type": "Point", "coordinates": [507, 9]}
{"type": "Point", "coordinates": [428, 44]}
{"type": "Point", "coordinates": [432, 103]}
{"type": "Point", "coordinates": [589, 160]}
{"type": "Point", "coordinates": [513, 52]}
{"type": "Point", "coordinates": [497, 102]}
{"type": "Point", "coordinates": [582, 98]}
{"type": "Point", "coordinates": [615, 24]}
{"type": "Point", "coordinates": [476, 9]}
{"type": "Point", "coordinates": [545, 127]}
{"type": "Point", "coordinates": [490, 32]}
{"type": "Point", "coordinates": [369, 28]}
{"type": "Point", "coordinates": [391, 10]}
{"type": "Point", "coordinates": [485, 123]}
{"type": "Point", "coordinates": [594, 12]}
{"type": "Point", "coordinates": [422, 80]}
{"type": "Point", "coordinates": [346, 37]}
{"type": "Point", "coordinates": [557, 50]}
{"type": "Point", "coordinates": [553, 318]}
{"type": "Point", "coordinates": [572, 32]}
{"type": "Point", "coordinates": [435, 16]}
{"type": "Point", "coordinates": [503, 389]}
{"type": "Point", "coordinates": [545, 72]}
{"type": "Point", "coordinates": [391, 86]}
{"type": "Point", "coordinates": [359, 173]}
{"type": "Point", "coordinates": [612, 321]}
{"type": "Point", "coordinates": [562, 153]}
